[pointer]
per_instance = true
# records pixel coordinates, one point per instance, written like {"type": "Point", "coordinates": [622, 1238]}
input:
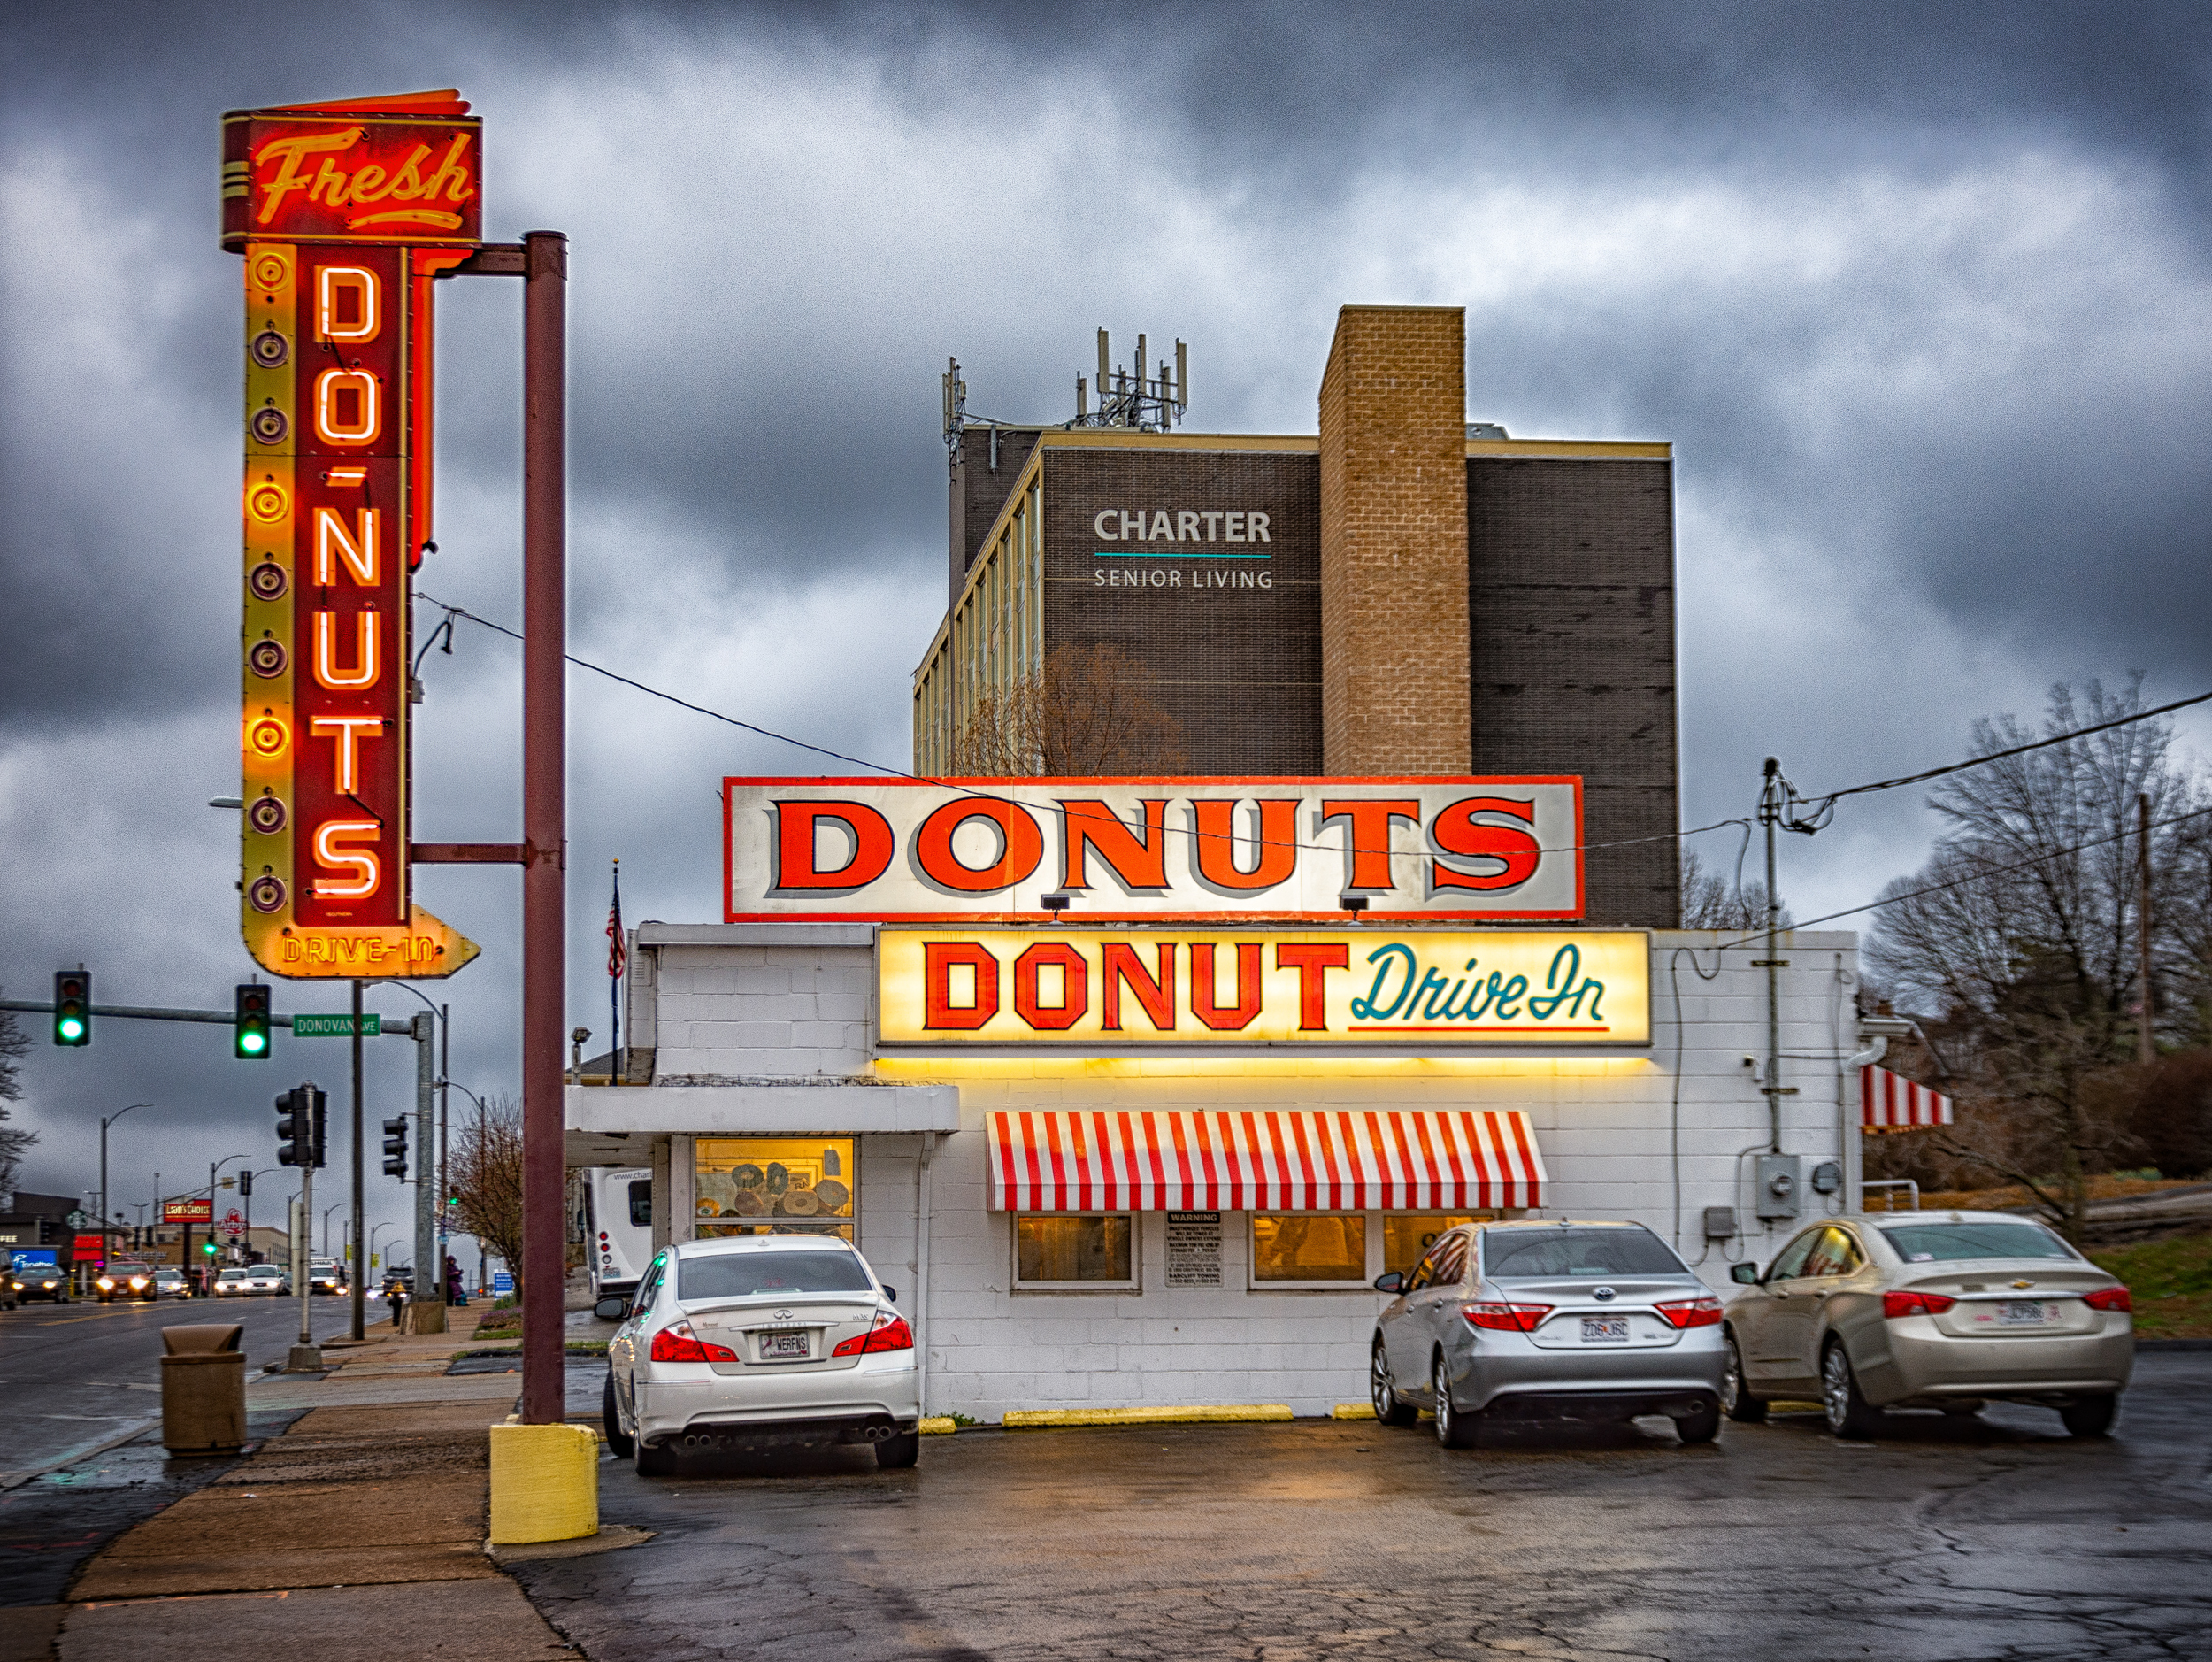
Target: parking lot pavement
{"type": "Point", "coordinates": [1949, 1538]}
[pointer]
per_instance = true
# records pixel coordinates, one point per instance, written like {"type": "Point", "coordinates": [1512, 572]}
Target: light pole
{"type": "Point", "coordinates": [371, 1251]}
{"type": "Point", "coordinates": [105, 1121]}
{"type": "Point", "coordinates": [211, 1170]}
{"type": "Point", "coordinates": [425, 1222]}
{"type": "Point", "coordinates": [340, 1206]}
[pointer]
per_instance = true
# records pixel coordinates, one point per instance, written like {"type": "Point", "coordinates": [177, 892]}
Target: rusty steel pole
{"type": "Point", "coordinates": [544, 787]}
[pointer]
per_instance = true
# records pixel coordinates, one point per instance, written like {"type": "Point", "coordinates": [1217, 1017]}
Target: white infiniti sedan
{"type": "Point", "coordinates": [734, 1343]}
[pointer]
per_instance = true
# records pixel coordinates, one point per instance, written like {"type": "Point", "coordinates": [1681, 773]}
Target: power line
{"type": "Point", "coordinates": [453, 611]}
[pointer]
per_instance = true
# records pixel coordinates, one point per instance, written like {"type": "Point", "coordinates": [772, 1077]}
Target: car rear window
{"type": "Point", "coordinates": [1525, 1252]}
{"type": "Point", "coordinates": [1942, 1242]}
{"type": "Point", "coordinates": [767, 1274]}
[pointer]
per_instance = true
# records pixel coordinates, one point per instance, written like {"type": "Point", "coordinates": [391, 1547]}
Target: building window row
{"type": "Point", "coordinates": [1291, 1251]}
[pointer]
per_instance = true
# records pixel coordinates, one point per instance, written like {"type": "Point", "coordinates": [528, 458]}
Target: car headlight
{"type": "Point", "coordinates": [104, 1285]}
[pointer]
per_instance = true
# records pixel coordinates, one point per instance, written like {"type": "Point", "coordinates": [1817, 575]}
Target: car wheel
{"type": "Point", "coordinates": [1736, 1401]}
{"type": "Point", "coordinates": [1454, 1428]}
{"type": "Point", "coordinates": [1701, 1427]}
{"type": "Point", "coordinates": [895, 1454]}
{"type": "Point", "coordinates": [2090, 1415]}
{"type": "Point", "coordinates": [618, 1442]}
{"type": "Point", "coordinates": [1850, 1414]}
{"type": "Point", "coordinates": [1384, 1395]}
{"type": "Point", "coordinates": [655, 1460]}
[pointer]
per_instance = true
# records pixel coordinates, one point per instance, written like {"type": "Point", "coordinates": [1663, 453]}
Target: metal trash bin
{"type": "Point", "coordinates": [203, 1388]}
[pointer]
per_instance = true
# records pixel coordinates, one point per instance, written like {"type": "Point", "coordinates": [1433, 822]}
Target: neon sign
{"type": "Point", "coordinates": [344, 214]}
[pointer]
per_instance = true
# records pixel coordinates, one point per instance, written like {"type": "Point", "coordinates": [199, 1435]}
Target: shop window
{"type": "Point", "coordinates": [776, 1186]}
{"type": "Point", "coordinates": [1408, 1235]}
{"type": "Point", "coordinates": [1083, 1252]}
{"type": "Point", "coordinates": [1309, 1249]}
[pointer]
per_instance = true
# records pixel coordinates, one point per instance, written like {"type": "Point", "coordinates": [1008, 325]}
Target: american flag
{"type": "Point", "coordinates": [617, 955]}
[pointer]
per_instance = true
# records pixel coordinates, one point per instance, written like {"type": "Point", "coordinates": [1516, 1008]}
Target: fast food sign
{"type": "Point", "coordinates": [1149, 849]}
{"type": "Point", "coordinates": [345, 214]}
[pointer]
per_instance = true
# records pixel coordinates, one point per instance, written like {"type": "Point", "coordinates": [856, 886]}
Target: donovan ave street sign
{"type": "Point", "coordinates": [337, 1026]}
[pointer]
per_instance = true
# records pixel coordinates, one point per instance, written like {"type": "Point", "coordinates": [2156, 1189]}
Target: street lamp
{"type": "Point", "coordinates": [340, 1206]}
{"type": "Point", "coordinates": [212, 1169]}
{"type": "Point", "coordinates": [373, 1232]}
{"type": "Point", "coordinates": [105, 1121]}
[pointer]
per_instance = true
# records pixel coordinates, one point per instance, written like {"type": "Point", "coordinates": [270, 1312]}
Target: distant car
{"type": "Point", "coordinates": [1945, 1310]}
{"type": "Point", "coordinates": [37, 1276]}
{"type": "Point", "coordinates": [231, 1283]}
{"type": "Point", "coordinates": [401, 1280]}
{"type": "Point", "coordinates": [324, 1275]}
{"type": "Point", "coordinates": [126, 1282]}
{"type": "Point", "coordinates": [1547, 1319]}
{"type": "Point", "coordinates": [268, 1279]}
{"type": "Point", "coordinates": [734, 1341]}
{"type": "Point", "coordinates": [169, 1282]}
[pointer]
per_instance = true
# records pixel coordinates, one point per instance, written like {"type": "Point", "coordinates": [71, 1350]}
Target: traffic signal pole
{"type": "Point", "coordinates": [428, 1293]}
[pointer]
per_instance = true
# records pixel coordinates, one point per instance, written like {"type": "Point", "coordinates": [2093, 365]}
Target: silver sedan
{"type": "Point", "coordinates": [1547, 1319]}
{"type": "Point", "coordinates": [1945, 1310]}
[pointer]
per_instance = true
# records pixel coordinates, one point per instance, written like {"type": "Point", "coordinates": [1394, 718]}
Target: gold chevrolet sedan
{"type": "Point", "coordinates": [1948, 1309]}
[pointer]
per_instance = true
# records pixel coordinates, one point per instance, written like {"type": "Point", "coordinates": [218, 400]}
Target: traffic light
{"type": "Point", "coordinates": [207, 1248]}
{"type": "Point", "coordinates": [245, 1185]}
{"type": "Point", "coordinates": [250, 1023]}
{"type": "Point", "coordinates": [72, 1006]}
{"type": "Point", "coordinates": [300, 1112]}
{"type": "Point", "coordinates": [395, 1148]}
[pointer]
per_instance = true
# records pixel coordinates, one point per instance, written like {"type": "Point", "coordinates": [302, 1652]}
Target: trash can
{"type": "Point", "coordinates": [203, 1388]}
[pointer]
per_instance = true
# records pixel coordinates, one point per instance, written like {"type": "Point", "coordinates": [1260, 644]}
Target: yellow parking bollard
{"type": "Point", "coordinates": [545, 1483]}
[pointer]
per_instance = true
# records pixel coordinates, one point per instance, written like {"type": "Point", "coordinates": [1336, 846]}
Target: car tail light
{"type": "Point", "coordinates": [889, 1333]}
{"type": "Point", "coordinates": [1505, 1318]}
{"type": "Point", "coordinates": [679, 1343]}
{"type": "Point", "coordinates": [1896, 1305]}
{"type": "Point", "coordinates": [2109, 1298]}
{"type": "Point", "coordinates": [1691, 1312]}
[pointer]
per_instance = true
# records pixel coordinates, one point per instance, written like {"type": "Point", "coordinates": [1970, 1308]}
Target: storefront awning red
{"type": "Point", "coordinates": [1888, 1099]}
{"type": "Point", "coordinates": [1264, 1162]}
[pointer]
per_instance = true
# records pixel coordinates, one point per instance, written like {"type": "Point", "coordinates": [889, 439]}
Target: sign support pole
{"type": "Point", "coordinates": [544, 630]}
{"type": "Point", "coordinates": [360, 1199]}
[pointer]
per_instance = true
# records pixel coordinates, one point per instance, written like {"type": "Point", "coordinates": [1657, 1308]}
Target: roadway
{"type": "Point", "coordinates": [78, 1375]}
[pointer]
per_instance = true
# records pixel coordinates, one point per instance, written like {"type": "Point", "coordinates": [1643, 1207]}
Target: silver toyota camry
{"type": "Point", "coordinates": [1547, 1319]}
{"type": "Point", "coordinates": [1945, 1310]}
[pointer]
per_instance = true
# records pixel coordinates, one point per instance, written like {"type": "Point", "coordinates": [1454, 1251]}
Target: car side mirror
{"type": "Point", "coordinates": [1391, 1281]}
{"type": "Point", "coordinates": [891, 1295]}
{"type": "Point", "coordinates": [1747, 1274]}
{"type": "Point", "coordinates": [611, 1309]}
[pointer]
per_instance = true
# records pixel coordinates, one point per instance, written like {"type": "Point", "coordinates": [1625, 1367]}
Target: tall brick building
{"type": "Point", "coordinates": [1403, 593]}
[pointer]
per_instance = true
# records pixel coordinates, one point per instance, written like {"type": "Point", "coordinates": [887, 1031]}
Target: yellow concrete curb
{"type": "Point", "coordinates": [937, 1426]}
{"type": "Point", "coordinates": [545, 1483]}
{"type": "Point", "coordinates": [1043, 1418]}
{"type": "Point", "coordinates": [1352, 1411]}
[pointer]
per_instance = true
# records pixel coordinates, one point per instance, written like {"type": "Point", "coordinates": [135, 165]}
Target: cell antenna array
{"type": "Point", "coordinates": [1130, 398]}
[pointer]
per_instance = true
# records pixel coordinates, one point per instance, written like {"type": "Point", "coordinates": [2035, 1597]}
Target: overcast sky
{"type": "Point", "coordinates": [1918, 293]}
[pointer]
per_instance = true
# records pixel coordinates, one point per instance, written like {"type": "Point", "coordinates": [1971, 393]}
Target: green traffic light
{"type": "Point", "coordinates": [208, 1247]}
{"type": "Point", "coordinates": [69, 1027]}
{"type": "Point", "coordinates": [252, 1044]}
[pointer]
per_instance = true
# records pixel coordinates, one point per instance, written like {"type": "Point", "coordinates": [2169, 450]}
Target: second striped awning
{"type": "Point", "coordinates": [1888, 1099]}
{"type": "Point", "coordinates": [1263, 1161]}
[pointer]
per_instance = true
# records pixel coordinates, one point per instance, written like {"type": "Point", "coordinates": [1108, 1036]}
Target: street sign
{"type": "Point", "coordinates": [345, 214]}
{"type": "Point", "coordinates": [502, 1282]}
{"type": "Point", "coordinates": [337, 1026]}
{"type": "Point", "coordinates": [197, 1210]}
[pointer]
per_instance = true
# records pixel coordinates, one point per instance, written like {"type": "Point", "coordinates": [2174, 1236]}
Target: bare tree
{"type": "Point", "coordinates": [15, 1044]}
{"type": "Point", "coordinates": [2028, 945]}
{"type": "Point", "coordinates": [1711, 901]}
{"type": "Point", "coordinates": [1088, 714]}
{"type": "Point", "coordinates": [485, 1166]}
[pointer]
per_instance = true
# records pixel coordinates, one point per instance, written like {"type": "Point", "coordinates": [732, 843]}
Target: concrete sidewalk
{"type": "Point", "coordinates": [360, 1531]}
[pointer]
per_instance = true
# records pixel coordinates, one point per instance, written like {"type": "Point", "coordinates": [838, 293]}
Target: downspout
{"type": "Point", "coordinates": [921, 1222]}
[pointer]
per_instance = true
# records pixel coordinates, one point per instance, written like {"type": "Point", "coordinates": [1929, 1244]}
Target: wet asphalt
{"type": "Point", "coordinates": [1949, 1539]}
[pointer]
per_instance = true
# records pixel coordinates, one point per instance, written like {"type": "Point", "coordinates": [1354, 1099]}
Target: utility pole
{"type": "Point", "coordinates": [2146, 1030]}
{"type": "Point", "coordinates": [360, 1257]}
{"type": "Point", "coordinates": [1770, 804]}
{"type": "Point", "coordinates": [445, 1100]}
{"type": "Point", "coordinates": [428, 1294]}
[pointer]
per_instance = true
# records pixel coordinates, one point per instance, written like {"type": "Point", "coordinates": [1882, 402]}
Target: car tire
{"type": "Point", "coordinates": [2090, 1415]}
{"type": "Point", "coordinates": [1849, 1414]}
{"type": "Point", "coordinates": [1456, 1429]}
{"type": "Point", "coordinates": [1701, 1427]}
{"type": "Point", "coordinates": [895, 1454]}
{"type": "Point", "coordinates": [1736, 1400]}
{"type": "Point", "coordinates": [655, 1460]}
{"type": "Point", "coordinates": [618, 1442]}
{"type": "Point", "coordinates": [1390, 1408]}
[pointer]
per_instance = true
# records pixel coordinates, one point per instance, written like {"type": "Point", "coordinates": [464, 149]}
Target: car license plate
{"type": "Point", "coordinates": [2019, 1313]}
{"type": "Point", "coordinates": [1605, 1330]}
{"type": "Point", "coordinates": [784, 1347]}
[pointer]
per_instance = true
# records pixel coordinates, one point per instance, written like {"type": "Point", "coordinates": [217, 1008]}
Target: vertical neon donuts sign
{"type": "Point", "coordinates": [344, 214]}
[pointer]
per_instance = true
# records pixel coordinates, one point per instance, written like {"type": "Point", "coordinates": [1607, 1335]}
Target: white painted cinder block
{"type": "Point", "coordinates": [1654, 1137]}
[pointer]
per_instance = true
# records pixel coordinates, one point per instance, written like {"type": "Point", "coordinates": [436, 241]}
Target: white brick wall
{"type": "Point", "coordinates": [763, 1008]}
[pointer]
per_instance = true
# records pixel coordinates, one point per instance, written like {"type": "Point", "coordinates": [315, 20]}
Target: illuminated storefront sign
{"type": "Point", "coordinates": [1184, 988]}
{"type": "Point", "coordinates": [1149, 849]}
{"type": "Point", "coordinates": [344, 214]}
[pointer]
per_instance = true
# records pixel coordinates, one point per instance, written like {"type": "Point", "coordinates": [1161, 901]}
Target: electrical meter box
{"type": "Point", "coordinates": [1781, 1184]}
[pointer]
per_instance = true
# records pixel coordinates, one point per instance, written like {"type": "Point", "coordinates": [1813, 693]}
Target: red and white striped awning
{"type": "Point", "coordinates": [1264, 1162]}
{"type": "Point", "coordinates": [1890, 1099]}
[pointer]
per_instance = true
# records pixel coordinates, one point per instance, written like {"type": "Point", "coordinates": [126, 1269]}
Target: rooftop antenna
{"type": "Point", "coordinates": [955, 409]}
{"type": "Point", "coordinates": [1131, 398]}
